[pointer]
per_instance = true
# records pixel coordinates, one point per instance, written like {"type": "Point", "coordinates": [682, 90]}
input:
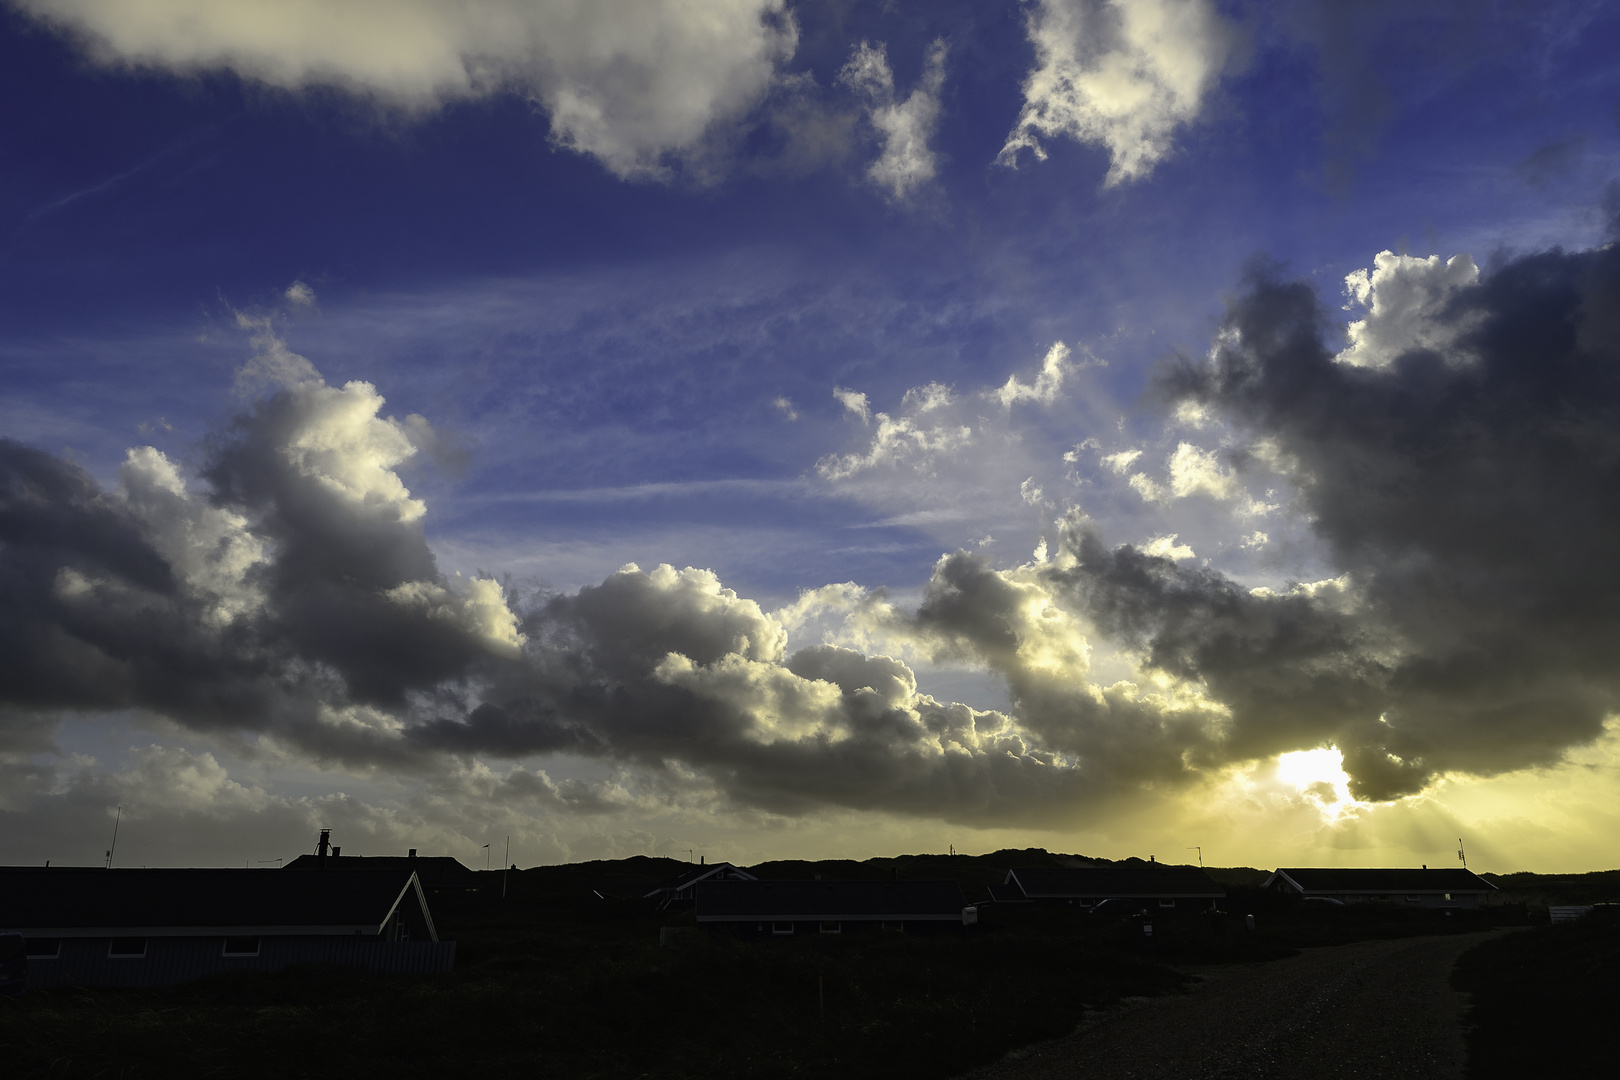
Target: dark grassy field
{"type": "Point", "coordinates": [1544, 1001]}
{"type": "Point", "coordinates": [565, 976]}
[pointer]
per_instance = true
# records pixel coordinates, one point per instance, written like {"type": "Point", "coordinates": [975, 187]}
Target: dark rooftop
{"type": "Point", "coordinates": [87, 898]}
{"type": "Point", "coordinates": [810, 900]}
{"type": "Point", "coordinates": [1101, 882]}
{"type": "Point", "coordinates": [1381, 880]}
{"type": "Point", "coordinates": [434, 871]}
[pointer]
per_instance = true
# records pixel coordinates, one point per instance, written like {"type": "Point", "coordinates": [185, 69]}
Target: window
{"type": "Point", "coordinates": [781, 928]}
{"type": "Point", "coordinates": [1414, 899]}
{"type": "Point", "coordinates": [44, 948]}
{"type": "Point", "coordinates": [241, 946]}
{"type": "Point", "coordinates": [832, 928]}
{"type": "Point", "coordinates": [1166, 902]}
{"type": "Point", "coordinates": [127, 948]}
{"type": "Point", "coordinates": [1448, 896]}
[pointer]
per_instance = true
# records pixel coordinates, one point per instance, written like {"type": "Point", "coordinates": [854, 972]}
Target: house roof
{"type": "Point", "coordinates": [1007, 894]}
{"type": "Point", "coordinates": [1394, 880]}
{"type": "Point", "coordinates": [92, 902]}
{"type": "Point", "coordinates": [697, 874]}
{"type": "Point", "coordinates": [434, 871]}
{"type": "Point", "coordinates": [809, 901]}
{"type": "Point", "coordinates": [1103, 882]}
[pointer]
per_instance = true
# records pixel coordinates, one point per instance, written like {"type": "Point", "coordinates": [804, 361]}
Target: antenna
{"type": "Point", "coordinates": [114, 847]}
{"type": "Point", "coordinates": [1200, 849]}
{"type": "Point", "coordinates": [505, 861]}
{"type": "Point", "coordinates": [486, 858]}
{"type": "Point", "coordinates": [1462, 857]}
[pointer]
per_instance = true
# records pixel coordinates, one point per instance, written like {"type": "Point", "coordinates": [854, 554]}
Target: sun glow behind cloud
{"type": "Point", "coordinates": [1319, 776]}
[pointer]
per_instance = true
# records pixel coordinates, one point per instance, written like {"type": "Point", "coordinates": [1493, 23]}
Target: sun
{"type": "Point", "coordinates": [1319, 776]}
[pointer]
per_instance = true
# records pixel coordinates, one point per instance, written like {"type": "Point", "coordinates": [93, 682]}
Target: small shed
{"type": "Point", "coordinates": [680, 890]}
{"type": "Point", "coordinates": [1152, 886]}
{"type": "Point", "coordinates": [94, 927]}
{"type": "Point", "coordinates": [783, 908]}
{"type": "Point", "coordinates": [1440, 888]}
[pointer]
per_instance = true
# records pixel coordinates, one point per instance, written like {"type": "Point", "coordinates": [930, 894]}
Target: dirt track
{"type": "Point", "coordinates": [1375, 1009]}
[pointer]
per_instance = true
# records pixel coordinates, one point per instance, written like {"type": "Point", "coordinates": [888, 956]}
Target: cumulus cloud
{"type": "Point", "coordinates": [913, 437]}
{"type": "Point", "coordinates": [626, 81]}
{"type": "Point", "coordinates": [1467, 507]}
{"type": "Point", "coordinates": [1120, 75]}
{"type": "Point", "coordinates": [904, 127]}
{"type": "Point", "coordinates": [1468, 623]}
{"type": "Point", "coordinates": [1404, 299]}
{"type": "Point", "coordinates": [1048, 382]}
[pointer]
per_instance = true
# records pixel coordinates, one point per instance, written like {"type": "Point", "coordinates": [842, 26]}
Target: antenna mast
{"type": "Point", "coordinates": [1461, 856]}
{"type": "Point", "coordinates": [1198, 848]}
{"type": "Point", "coordinates": [114, 847]}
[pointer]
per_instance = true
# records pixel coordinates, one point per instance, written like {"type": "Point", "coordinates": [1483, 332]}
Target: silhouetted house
{"type": "Point", "coordinates": [830, 907]}
{"type": "Point", "coordinates": [1152, 886]}
{"type": "Point", "coordinates": [94, 927]}
{"type": "Point", "coordinates": [678, 890]}
{"type": "Point", "coordinates": [1007, 893]}
{"type": "Point", "coordinates": [1439, 888]}
{"type": "Point", "coordinates": [436, 872]}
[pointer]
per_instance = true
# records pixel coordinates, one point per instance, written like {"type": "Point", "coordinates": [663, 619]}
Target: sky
{"type": "Point", "coordinates": [764, 429]}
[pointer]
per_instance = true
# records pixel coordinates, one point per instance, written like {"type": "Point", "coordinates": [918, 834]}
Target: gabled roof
{"type": "Point", "coordinates": [434, 871]}
{"type": "Point", "coordinates": [809, 901]}
{"type": "Point", "coordinates": [1104, 882]}
{"type": "Point", "coordinates": [1307, 879]}
{"type": "Point", "coordinates": [84, 901]}
{"type": "Point", "coordinates": [700, 873]}
{"type": "Point", "coordinates": [1007, 894]}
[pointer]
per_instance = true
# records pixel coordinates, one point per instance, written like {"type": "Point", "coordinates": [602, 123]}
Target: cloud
{"type": "Point", "coordinates": [1466, 508]}
{"type": "Point", "coordinates": [284, 595]}
{"type": "Point", "coordinates": [905, 128]}
{"type": "Point", "coordinates": [1044, 390]}
{"type": "Point", "coordinates": [855, 402]}
{"type": "Point", "coordinates": [1120, 75]}
{"type": "Point", "coordinates": [1404, 298]}
{"type": "Point", "coordinates": [625, 81]}
{"type": "Point", "coordinates": [904, 439]}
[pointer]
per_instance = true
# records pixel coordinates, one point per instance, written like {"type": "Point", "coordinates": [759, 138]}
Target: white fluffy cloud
{"type": "Point", "coordinates": [627, 81]}
{"type": "Point", "coordinates": [905, 127]}
{"type": "Point", "coordinates": [908, 438]}
{"type": "Point", "coordinates": [1403, 295]}
{"type": "Point", "coordinates": [1123, 75]}
{"type": "Point", "coordinates": [1044, 390]}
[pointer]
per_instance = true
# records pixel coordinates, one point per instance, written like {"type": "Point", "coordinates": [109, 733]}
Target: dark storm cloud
{"type": "Point", "coordinates": [1472, 497]}
{"type": "Point", "coordinates": [274, 603]}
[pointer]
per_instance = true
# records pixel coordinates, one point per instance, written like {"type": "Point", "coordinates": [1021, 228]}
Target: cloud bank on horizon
{"type": "Point", "coordinates": [1461, 488]}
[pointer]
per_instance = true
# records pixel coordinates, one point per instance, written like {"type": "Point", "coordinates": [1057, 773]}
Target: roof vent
{"type": "Point", "coordinates": [412, 855]}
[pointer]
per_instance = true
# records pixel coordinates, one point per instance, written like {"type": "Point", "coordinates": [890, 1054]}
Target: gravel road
{"type": "Point", "coordinates": [1374, 1009]}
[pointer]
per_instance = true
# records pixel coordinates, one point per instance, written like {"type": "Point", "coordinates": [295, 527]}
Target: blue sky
{"type": "Point", "coordinates": [639, 329]}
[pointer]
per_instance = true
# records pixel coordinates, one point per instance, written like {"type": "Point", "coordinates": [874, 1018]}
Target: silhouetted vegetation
{"type": "Point", "coordinates": [1544, 1000]}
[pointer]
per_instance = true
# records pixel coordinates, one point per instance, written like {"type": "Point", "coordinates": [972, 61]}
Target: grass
{"type": "Point", "coordinates": [1544, 1000]}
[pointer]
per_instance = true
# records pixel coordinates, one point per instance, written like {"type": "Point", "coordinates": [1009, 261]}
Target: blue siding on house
{"type": "Point", "coordinates": [168, 960]}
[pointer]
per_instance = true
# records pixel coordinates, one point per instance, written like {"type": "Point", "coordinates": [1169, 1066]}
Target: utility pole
{"type": "Point", "coordinates": [114, 847]}
{"type": "Point", "coordinates": [486, 858]}
{"type": "Point", "coordinates": [506, 861]}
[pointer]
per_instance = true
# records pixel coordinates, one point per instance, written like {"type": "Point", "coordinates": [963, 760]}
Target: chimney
{"type": "Point", "coordinates": [320, 848]}
{"type": "Point", "coordinates": [1150, 858]}
{"type": "Point", "coordinates": [412, 855]}
{"type": "Point", "coordinates": [701, 858]}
